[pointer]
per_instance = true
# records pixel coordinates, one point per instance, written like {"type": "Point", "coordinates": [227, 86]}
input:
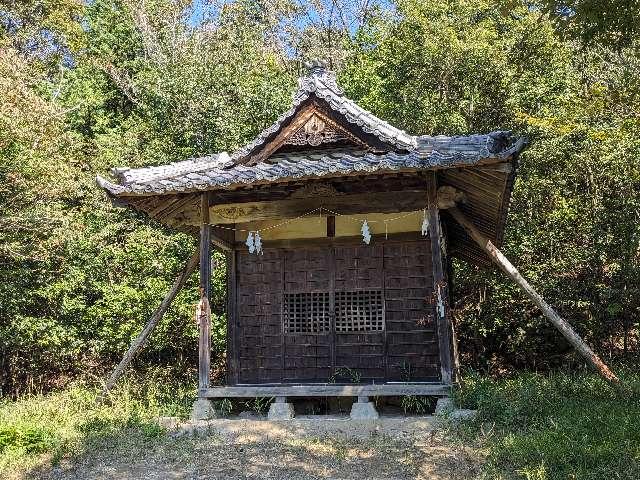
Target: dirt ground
{"type": "Point", "coordinates": [253, 449]}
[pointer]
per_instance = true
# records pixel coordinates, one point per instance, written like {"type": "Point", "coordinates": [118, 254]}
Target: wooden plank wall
{"type": "Point", "coordinates": [407, 350]}
{"type": "Point", "coordinates": [259, 295]}
{"type": "Point", "coordinates": [412, 345]}
{"type": "Point", "coordinates": [307, 357]}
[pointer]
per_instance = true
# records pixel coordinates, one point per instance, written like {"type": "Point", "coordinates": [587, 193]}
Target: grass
{"type": "Point", "coordinates": [561, 426]}
{"type": "Point", "coordinates": [555, 426]}
{"type": "Point", "coordinates": [48, 428]}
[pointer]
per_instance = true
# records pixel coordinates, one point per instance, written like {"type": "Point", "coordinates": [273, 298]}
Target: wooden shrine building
{"type": "Point", "coordinates": [338, 233]}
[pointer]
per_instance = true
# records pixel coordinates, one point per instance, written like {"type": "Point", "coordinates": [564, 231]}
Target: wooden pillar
{"type": "Point", "coordinates": [204, 321]}
{"type": "Point", "coordinates": [440, 287]}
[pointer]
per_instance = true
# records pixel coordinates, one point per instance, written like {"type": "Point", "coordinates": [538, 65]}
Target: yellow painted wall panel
{"type": "Point", "coordinates": [315, 226]}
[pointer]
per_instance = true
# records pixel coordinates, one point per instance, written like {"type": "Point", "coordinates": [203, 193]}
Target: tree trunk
{"type": "Point", "coordinates": [567, 331]}
{"type": "Point", "coordinates": [140, 340]}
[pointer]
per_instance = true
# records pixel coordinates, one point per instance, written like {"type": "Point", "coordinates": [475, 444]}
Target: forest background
{"type": "Point", "coordinates": [87, 86]}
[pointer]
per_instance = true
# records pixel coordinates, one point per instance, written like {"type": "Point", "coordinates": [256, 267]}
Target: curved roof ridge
{"type": "Point", "coordinates": [192, 165]}
{"type": "Point", "coordinates": [322, 83]}
{"type": "Point", "coordinates": [203, 174]}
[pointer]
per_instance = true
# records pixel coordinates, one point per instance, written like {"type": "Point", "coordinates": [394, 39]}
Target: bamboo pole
{"type": "Point", "coordinates": [139, 341]}
{"type": "Point", "coordinates": [505, 265]}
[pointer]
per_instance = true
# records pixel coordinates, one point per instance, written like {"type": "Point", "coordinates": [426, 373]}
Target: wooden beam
{"type": "Point", "coordinates": [142, 337]}
{"type": "Point", "coordinates": [440, 287]}
{"type": "Point", "coordinates": [331, 226]}
{"type": "Point", "coordinates": [334, 241]}
{"type": "Point", "coordinates": [220, 242]}
{"type": "Point", "coordinates": [301, 117]}
{"type": "Point", "coordinates": [562, 325]}
{"type": "Point", "coordinates": [173, 207]}
{"type": "Point", "coordinates": [383, 202]}
{"type": "Point", "coordinates": [327, 390]}
{"type": "Point", "coordinates": [204, 312]}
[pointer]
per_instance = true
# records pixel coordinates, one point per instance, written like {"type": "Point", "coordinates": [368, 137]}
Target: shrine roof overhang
{"type": "Point", "coordinates": [216, 172]}
{"type": "Point", "coordinates": [481, 166]}
{"type": "Point", "coordinates": [326, 141]}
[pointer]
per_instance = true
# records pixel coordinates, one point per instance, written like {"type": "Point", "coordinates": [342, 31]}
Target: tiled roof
{"type": "Point", "coordinates": [322, 83]}
{"type": "Point", "coordinates": [217, 171]}
{"type": "Point", "coordinates": [405, 152]}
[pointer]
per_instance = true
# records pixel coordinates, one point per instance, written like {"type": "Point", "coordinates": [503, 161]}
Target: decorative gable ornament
{"type": "Point", "coordinates": [317, 71]}
{"type": "Point", "coordinates": [315, 132]}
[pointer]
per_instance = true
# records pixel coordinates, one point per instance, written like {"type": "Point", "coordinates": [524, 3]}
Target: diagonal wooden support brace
{"type": "Point", "coordinates": [140, 340]}
{"type": "Point", "coordinates": [562, 325]}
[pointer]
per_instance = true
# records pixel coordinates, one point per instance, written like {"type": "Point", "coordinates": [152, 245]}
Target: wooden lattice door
{"type": "Point", "coordinates": [343, 314]}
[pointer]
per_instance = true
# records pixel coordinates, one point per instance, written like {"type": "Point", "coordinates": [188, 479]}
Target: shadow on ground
{"type": "Point", "coordinates": [301, 449]}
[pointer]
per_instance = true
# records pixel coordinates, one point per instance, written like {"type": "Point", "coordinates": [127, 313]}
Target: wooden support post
{"type": "Point", "coordinates": [440, 287]}
{"type": "Point", "coordinates": [140, 340]}
{"type": "Point", "coordinates": [204, 311]}
{"type": "Point", "coordinates": [567, 331]}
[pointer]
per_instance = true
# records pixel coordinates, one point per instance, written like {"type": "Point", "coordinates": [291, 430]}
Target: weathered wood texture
{"type": "Point", "coordinates": [562, 325]}
{"type": "Point", "coordinates": [486, 187]}
{"type": "Point", "coordinates": [140, 340]}
{"type": "Point", "coordinates": [306, 110]}
{"type": "Point", "coordinates": [487, 190]}
{"type": "Point", "coordinates": [383, 202]}
{"type": "Point", "coordinates": [440, 284]}
{"type": "Point", "coordinates": [204, 320]}
{"type": "Point", "coordinates": [203, 317]}
{"type": "Point", "coordinates": [405, 349]}
{"type": "Point", "coordinates": [437, 389]}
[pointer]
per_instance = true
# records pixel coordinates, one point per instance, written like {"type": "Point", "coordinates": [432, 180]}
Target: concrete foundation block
{"type": "Point", "coordinates": [462, 415]}
{"type": "Point", "coordinates": [444, 406]}
{"type": "Point", "coordinates": [281, 411]}
{"type": "Point", "coordinates": [364, 411]}
{"type": "Point", "coordinates": [203, 409]}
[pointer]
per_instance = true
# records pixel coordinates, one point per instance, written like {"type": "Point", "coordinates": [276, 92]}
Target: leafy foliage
{"type": "Point", "coordinates": [556, 426]}
{"type": "Point", "coordinates": [88, 86]}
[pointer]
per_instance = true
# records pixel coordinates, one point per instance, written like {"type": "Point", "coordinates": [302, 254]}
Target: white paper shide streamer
{"type": "Point", "coordinates": [254, 240]}
{"type": "Point", "coordinates": [366, 233]}
{"type": "Point", "coordinates": [250, 243]}
{"type": "Point", "coordinates": [257, 241]}
{"type": "Point", "coordinates": [254, 243]}
{"type": "Point", "coordinates": [425, 224]}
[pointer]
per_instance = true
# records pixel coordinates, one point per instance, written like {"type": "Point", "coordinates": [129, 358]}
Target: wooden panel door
{"type": "Point", "coordinates": [359, 341]}
{"type": "Point", "coordinates": [343, 314]}
{"type": "Point", "coordinates": [308, 281]}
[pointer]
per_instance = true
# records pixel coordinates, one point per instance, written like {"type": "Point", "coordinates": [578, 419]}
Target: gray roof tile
{"type": "Point", "coordinates": [322, 83]}
{"type": "Point", "coordinates": [176, 177]}
{"type": "Point", "coordinates": [220, 171]}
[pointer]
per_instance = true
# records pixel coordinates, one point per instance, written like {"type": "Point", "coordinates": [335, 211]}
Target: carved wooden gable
{"type": "Point", "coordinates": [315, 127]}
{"type": "Point", "coordinates": [318, 129]}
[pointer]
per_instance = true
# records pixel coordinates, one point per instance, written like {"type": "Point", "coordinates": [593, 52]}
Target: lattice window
{"type": "Point", "coordinates": [307, 312]}
{"type": "Point", "coordinates": [360, 311]}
